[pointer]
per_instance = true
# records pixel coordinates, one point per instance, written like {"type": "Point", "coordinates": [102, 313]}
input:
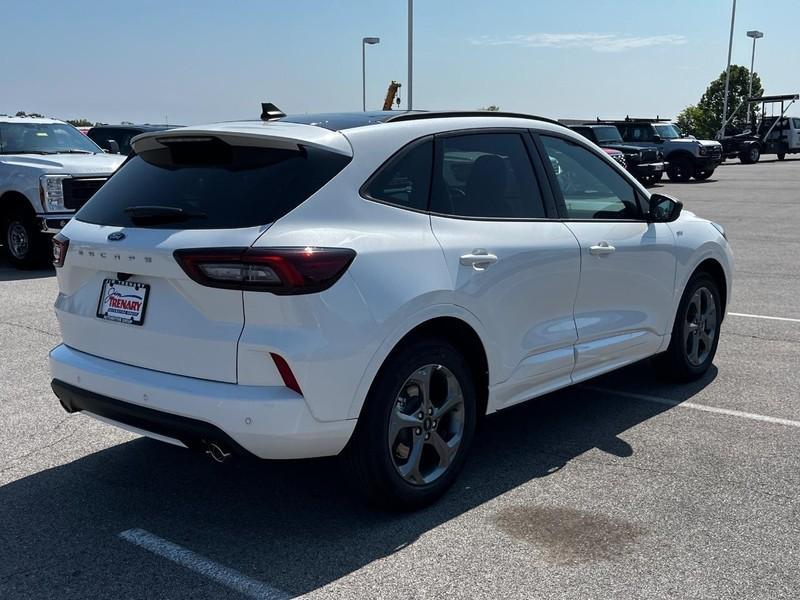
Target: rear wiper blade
{"type": "Point", "coordinates": [161, 214]}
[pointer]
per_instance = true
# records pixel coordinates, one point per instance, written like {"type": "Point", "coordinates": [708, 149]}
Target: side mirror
{"type": "Point", "coordinates": [663, 209]}
{"type": "Point", "coordinates": [113, 146]}
{"type": "Point", "coordinates": [657, 139]}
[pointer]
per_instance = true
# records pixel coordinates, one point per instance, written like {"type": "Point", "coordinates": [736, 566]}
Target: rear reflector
{"type": "Point", "coordinates": [288, 377]}
{"type": "Point", "coordinates": [60, 246]}
{"type": "Point", "coordinates": [283, 271]}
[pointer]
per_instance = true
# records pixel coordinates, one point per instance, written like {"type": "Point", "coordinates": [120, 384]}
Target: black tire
{"type": "Point", "coordinates": [371, 462]}
{"type": "Point", "coordinates": [658, 176]}
{"type": "Point", "coordinates": [680, 169]}
{"type": "Point", "coordinates": [646, 180]}
{"type": "Point", "coordinates": [781, 155]}
{"type": "Point", "coordinates": [676, 363]}
{"type": "Point", "coordinates": [753, 154]}
{"type": "Point", "coordinates": [703, 175]}
{"type": "Point", "coordinates": [25, 245]}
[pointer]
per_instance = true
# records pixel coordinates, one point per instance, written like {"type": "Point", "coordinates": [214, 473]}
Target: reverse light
{"type": "Point", "coordinates": [282, 271]}
{"type": "Point", "coordinates": [60, 247]}
{"type": "Point", "coordinates": [51, 192]}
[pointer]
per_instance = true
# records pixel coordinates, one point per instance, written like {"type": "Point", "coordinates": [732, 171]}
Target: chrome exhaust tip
{"type": "Point", "coordinates": [217, 453]}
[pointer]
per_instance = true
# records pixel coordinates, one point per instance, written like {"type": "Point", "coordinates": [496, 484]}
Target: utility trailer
{"type": "Point", "coordinates": [774, 134]}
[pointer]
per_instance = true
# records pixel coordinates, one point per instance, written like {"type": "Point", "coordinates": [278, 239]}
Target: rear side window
{"type": "Point", "coordinates": [405, 180]}
{"type": "Point", "coordinates": [211, 185]}
{"type": "Point", "coordinates": [485, 175]}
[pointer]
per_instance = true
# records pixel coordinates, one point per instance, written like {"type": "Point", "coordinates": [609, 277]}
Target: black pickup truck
{"type": "Point", "coordinates": [644, 163]}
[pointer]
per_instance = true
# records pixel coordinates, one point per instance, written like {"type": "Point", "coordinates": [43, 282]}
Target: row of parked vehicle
{"type": "Point", "coordinates": [651, 147]}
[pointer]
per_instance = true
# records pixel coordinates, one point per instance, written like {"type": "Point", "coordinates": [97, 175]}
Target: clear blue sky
{"type": "Point", "coordinates": [204, 60]}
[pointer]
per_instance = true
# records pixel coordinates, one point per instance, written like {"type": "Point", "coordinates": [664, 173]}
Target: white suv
{"type": "Point", "coordinates": [371, 284]}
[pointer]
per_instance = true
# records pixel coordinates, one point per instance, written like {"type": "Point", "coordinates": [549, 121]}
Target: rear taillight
{"type": "Point", "coordinates": [60, 246]}
{"type": "Point", "coordinates": [278, 270]}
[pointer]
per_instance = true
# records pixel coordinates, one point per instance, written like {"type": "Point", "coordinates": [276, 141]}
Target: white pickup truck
{"type": "Point", "coordinates": [48, 170]}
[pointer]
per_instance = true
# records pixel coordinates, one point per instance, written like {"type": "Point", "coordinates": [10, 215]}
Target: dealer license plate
{"type": "Point", "coordinates": [123, 301]}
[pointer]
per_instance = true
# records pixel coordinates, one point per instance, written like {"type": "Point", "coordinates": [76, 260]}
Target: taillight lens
{"type": "Point", "coordinates": [60, 246]}
{"type": "Point", "coordinates": [282, 271]}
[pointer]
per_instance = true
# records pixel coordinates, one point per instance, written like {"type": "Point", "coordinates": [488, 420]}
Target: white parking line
{"type": "Point", "coordinates": [764, 317]}
{"type": "Point", "coordinates": [204, 566]}
{"type": "Point", "coordinates": [693, 406]}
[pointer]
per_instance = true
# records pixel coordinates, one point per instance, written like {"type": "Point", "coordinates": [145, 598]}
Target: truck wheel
{"type": "Point", "coordinates": [680, 169]}
{"type": "Point", "coordinates": [703, 175]}
{"type": "Point", "coordinates": [750, 156]}
{"type": "Point", "coordinates": [657, 176]}
{"type": "Point", "coordinates": [416, 426]}
{"type": "Point", "coordinates": [781, 155]}
{"type": "Point", "coordinates": [26, 246]}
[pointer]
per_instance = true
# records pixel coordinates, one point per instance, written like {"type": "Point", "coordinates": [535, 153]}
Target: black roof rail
{"type": "Point", "coordinates": [414, 116]}
{"type": "Point", "coordinates": [629, 119]}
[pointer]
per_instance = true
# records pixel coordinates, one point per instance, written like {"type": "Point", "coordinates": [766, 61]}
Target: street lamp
{"type": "Point", "coordinates": [755, 35]}
{"type": "Point", "coordinates": [410, 82]}
{"type": "Point", "coordinates": [371, 41]}
{"type": "Point", "coordinates": [728, 74]}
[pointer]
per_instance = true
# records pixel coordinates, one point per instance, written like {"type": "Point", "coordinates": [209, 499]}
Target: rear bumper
{"type": "Point", "coordinates": [268, 422]}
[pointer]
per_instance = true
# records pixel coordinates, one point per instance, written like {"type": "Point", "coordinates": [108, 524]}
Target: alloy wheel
{"type": "Point", "coordinates": [700, 326]}
{"type": "Point", "coordinates": [426, 425]}
{"type": "Point", "coordinates": [18, 240]}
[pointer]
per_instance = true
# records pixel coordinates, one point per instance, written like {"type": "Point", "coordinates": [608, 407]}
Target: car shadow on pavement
{"type": "Point", "coordinates": [10, 273]}
{"type": "Point", "coordinates": [292, 525]}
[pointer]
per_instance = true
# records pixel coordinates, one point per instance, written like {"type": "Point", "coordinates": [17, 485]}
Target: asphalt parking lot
{"type": "Point", "coordinates": [625, 487]}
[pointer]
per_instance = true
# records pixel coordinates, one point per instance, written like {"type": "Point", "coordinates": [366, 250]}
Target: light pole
{"type": "Point", "coordinates": [755, 35]}
{"type": "Point", "coordinates": [364, 41]}
{"type": "Point", "coordinates": [728, 74]}
{"type": "Point", "coordinates": [410, 95]}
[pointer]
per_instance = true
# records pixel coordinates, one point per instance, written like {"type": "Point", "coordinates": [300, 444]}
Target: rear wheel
{"type": "Point", "coordinates": [781, 155]}
{"type": "Point", "coordinates": [417, 425]}
{"type": "Point", "coordinates": [680, 169]}
{"type": "Point", "coordinates": [695, 333]}
{"type": "Point", "coordinates": [657, 176]}
{"type": "Point", "coordinates": [703, 175]}
{"type": "Point", "coordinates": [26, 246]}
{"type": "Point", "coordinates": [751, 156]}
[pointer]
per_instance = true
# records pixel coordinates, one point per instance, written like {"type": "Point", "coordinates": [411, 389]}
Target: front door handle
{"type": "Point", "coordinates": [479, 259]}
{"type": "Point", "coordinates": [601, 249]}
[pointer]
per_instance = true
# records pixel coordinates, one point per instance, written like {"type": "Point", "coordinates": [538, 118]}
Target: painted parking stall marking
{"type": "Point", "coordinates": [206, 567]}
{"type": "Point", "coordinates": [790, 320]}
{"type": "Point", "coordinates": [694, 406]}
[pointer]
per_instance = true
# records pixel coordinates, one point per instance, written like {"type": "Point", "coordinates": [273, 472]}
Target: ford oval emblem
{"type": "Point", "coordinates": [116, 236]}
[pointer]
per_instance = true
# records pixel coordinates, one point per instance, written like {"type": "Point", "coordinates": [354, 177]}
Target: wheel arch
{"type": "Point", "coordinates": [461, 330]}
{"type": "Point", "coordinates": [13, 200]}
{"type": "Point", "coordinates": [714, 268]}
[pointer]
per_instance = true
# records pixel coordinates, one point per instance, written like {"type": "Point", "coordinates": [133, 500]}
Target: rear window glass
{"type": "Point", "coordinates": [211, 185]}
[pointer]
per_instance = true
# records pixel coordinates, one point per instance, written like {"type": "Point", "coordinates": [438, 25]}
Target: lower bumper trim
{"type": "Point", "coordinates": [193, 433]}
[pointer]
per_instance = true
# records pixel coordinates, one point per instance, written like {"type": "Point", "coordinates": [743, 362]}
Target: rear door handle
{"type": "Point", "coordinates": [601, 249]}
{"type": "Point", "coordinates": [479, 259]}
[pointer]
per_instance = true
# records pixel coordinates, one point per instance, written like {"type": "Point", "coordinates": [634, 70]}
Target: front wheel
{"type": "Point", "coordinates": [27, 247]}
{"type": "Point", "coordinates": [703, 175]}
{"type": "Point", "coordinates": [695, 333]}
{"type": "Point", "coordinates": [751, 155]}
{"type": "Point", "coordinates": [781, 155]}
{"type": "Point", "coordinates": [680, 169]}
{"type": "Point", "coordinates": [416, 427]}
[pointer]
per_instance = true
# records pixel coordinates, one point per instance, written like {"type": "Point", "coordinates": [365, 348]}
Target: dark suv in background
{"type": "Point", "coordinates": [687, 157]}
{"type": "Point", "coordinates": [116, 139]}
{"type": "Point", "coordinates": [644, 163]}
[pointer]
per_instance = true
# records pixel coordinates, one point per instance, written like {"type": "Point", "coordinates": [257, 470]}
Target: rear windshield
{"type": "Point", "coordinates": [212, 185]}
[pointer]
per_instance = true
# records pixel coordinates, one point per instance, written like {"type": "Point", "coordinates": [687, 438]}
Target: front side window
{"type": "Point", "coordinates": [485, 175]}
{"type": "Point", "coordinates": [44, 138]}
{"type": "Point", "coordinates": [641, 134]}
{"type": "Point", "coordinates": [796, 123]}
{"type": "Point", "coordinates": [591, 188]}
{"type": "Point", "coordinates": [405, 180]}
{"type": "Point", "coordinates": [668, 132]}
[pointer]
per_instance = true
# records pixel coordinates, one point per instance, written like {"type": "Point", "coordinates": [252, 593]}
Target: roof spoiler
{"type": "Point", "coordinates": [270, 112]}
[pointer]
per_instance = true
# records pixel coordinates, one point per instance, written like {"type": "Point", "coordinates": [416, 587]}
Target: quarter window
{"type": "Point", "coordinates": [591, 188]}
{"type": "Point", "coordinates": [406, 179]}
{"type": "Point", "coordinates": [485, 175]}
